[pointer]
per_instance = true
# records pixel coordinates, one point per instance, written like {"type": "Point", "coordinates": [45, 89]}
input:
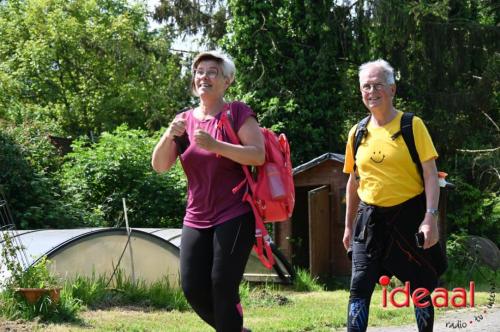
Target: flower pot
{"type": "Point", "coordinates": [32, 295]}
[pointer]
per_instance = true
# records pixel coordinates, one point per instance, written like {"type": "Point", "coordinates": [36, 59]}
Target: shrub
{"type": "Point", "coordinates": [474, 212]}
{"type": "Point", "coordinates": [13, 305]}
{"type": "Point", "coordinates": [464, 265]}
{"type": "Point", "coordinates": [96, 176]}
{"type": "Point", "coordinates": [28, 164]}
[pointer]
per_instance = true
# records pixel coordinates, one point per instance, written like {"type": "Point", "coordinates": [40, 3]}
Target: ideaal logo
{"type": "Point", "coordinates": [420, 296]}
{"type": "Point", "coordinates": [439, 299]}
{"type": "Point", "coordinates": [462, 324]}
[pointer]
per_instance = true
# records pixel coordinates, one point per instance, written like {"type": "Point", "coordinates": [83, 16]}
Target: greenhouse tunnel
{"type": "Point", "coordinates": [148, 254]}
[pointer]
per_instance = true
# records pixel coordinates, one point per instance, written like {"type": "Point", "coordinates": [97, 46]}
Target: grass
{"type": "Point", "coordinates": [265, 310]}
{"type": "Point", "coordinates": [134, 306]}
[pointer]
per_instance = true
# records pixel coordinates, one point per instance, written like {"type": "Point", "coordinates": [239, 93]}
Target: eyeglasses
{"type": "Point", "coordinates": [368, 87]}
{"type": "Point", "coordinates": [211, 73]}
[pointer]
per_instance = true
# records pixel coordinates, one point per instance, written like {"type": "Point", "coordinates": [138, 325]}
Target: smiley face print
{"type": "Point", "coordinates": [377, 157]}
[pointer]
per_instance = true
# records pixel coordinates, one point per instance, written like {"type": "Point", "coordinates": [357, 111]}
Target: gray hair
{"type": "Point", "coordinates": [225, 63]}
{"type": "Point", "coordinates": [382, 64]}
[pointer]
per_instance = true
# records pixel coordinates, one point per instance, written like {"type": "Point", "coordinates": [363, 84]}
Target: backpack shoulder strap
{"type": "Point", "coordinates": [407, 133]}
{"type": "Point", "coordinates": [359, 134]}
{"type": "Point", "coordinates": [226, 124]}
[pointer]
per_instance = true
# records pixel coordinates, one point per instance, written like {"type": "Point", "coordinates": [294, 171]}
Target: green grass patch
{"type": "Point", "coordinates": [304, 311]}
{"type": "Point", "coordinates": [98, 292]}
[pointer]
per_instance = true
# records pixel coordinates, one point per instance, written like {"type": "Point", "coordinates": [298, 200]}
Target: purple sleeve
{"type": "Point", "coordinates": [240, 112]}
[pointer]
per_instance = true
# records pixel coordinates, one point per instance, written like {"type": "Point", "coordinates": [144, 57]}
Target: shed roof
{"type": "Point", "coordinates": [318, 160]}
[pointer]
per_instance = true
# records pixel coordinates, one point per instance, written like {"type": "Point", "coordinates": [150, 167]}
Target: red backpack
{"type": "Point", "coordinates": [271, 193]}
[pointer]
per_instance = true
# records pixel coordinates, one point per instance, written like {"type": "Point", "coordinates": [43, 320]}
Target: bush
{"type": "Point", "coordinates": [473, 212]}
{"type": "Point", "coordinates": [13, 305]}
{"type": "Point", "coordinates": [96, 176]}
{"type": "Point", "coordinates": [464, 265]}
{"type": "Point", "coordinates": [28, 164]}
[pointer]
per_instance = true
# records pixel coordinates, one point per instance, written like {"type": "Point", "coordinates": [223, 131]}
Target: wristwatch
{"type": "Point", "coordinates": [434, 212]}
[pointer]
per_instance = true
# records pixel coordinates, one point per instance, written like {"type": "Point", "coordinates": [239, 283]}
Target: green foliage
{"type": "Point", "coordinates": [95, 293]}
{"type": "Point", "coordinates": [206, 17]}
{"type": "Point", "coordinates": [463, 266]}
{"type": "Point", "coordinates": [13, 305]}
{"type": "Point", "coordinates": [89, 65]}
{"type": "Point", "coordinates": [293, 70]}
{"type": "Point", "coordinates": [95, 178]}
{"type": "Point", "coordinates": [35, 276]}
{"type": "Point", "coordinates": [474, 212]}
{"type": "Point", "coordinates": [28, 162]}
{"type": "Point", "coordinates": [304, 282]}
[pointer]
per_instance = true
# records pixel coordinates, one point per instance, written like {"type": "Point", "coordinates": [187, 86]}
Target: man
{"type": "Point", "coordinates": [389, 201]}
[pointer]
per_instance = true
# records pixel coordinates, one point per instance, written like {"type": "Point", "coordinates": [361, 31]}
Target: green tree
{"type": "Point", "coordinates": [295, 69]}
{"type": "Point", "coordinates": [89, 64]}
{"type": "Point", "coordinates": [27, 161]}
{"type": "Point", "coordinates": [97, 176]}
{"type": "Point", "coordinates": [185, 17]}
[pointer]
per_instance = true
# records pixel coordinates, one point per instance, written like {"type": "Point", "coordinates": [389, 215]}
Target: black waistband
{"type": "Point", "coordinates": [388, 209]}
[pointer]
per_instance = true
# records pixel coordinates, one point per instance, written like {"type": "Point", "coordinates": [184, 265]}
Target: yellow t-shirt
{"type": "Point", "coordinates": [388, 175]}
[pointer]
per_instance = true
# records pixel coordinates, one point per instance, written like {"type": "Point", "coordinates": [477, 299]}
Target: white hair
{"type": "Point", "coordinates": [225, 62]}
{"type": "Point", "coordinates": [382, 64]}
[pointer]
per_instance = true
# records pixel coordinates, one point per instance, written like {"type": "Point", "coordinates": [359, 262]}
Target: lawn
{"type": "Point", "coordinates": [264, 311]}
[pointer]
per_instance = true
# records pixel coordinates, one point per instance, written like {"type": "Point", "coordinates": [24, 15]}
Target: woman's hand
{"type": "Point", "coordinates": [204, 140]}
{"type": "Point", "coordinates": [165, 152]}
{"type": "Point", "coordinates": [176, 128]}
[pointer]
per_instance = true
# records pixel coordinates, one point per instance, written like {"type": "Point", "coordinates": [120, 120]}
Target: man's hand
{"type": "Point", "coordinates": [430, 230]}
{"type": "Point", "coordinates": [347, 237]}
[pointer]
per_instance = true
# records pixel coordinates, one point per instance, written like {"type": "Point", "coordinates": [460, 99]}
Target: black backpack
{"type": "Point", "coordinates": [406, 130]}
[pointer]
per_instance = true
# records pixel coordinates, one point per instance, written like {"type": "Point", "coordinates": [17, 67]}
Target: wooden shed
{"type": "Point", "coordinates": [313, 239]}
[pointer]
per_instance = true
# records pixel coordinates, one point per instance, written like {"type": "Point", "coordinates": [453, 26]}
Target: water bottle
{"type": "Point", "coordinates": [276, 186]}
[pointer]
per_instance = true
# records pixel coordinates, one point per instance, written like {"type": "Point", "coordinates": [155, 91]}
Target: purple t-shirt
{"type": "Point", "coordinates": [210, 178]}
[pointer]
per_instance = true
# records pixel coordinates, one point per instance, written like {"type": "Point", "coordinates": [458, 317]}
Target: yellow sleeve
{"type": "Point", "coordinates": [423, 141]}
{"type": "Point", "coordinates": [349, 159]}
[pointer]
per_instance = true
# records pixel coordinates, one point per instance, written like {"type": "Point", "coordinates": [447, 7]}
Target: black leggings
{"type": "Point", "coordinates": [212, 264]}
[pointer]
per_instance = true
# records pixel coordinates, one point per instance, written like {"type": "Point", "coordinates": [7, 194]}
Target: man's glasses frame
{"type": "Point", "coordinates": [367, 87]}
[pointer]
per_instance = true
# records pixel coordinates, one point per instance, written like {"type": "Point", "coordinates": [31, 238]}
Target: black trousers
{"type": "Point", "coordinates": [212, 264]}
{"type": "Point", "coordinates": [384, 244]}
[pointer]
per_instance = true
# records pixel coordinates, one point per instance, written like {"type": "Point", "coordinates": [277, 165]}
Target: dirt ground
{"type": "Point", "coordinates": [15, 326]}
{"type": "Point", "coordinates": [463, 320]}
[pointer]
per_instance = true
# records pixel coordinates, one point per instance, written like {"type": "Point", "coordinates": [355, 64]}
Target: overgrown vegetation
{"type": "Point", "coordinates": [96, 176]}
{"type": "Point", "coordinates": [466, 263]}
{"type": "Point", "coordinates": [84, 68]}
{"type": "Point", "coordinates": [97, 292]}
{"type": "Point", "coordinates": [14, 304]}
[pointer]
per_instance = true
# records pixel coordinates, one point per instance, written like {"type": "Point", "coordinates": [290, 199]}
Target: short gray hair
{"type": "Point", "coordinates": [225, 62]}
{"type": "Point", "coordinates": [382, 64]}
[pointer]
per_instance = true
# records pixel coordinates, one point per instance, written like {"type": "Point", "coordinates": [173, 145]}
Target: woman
{"type": "Point", "coordinates": [218, 229]}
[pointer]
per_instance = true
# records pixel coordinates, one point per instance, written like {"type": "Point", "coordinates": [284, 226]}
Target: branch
{"type": "Point", "coordinates": [489, 118]}
{"type": "Point", "coordinates": [182, 51]}
{"type": "Point", "coordinates": [479, 151]}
